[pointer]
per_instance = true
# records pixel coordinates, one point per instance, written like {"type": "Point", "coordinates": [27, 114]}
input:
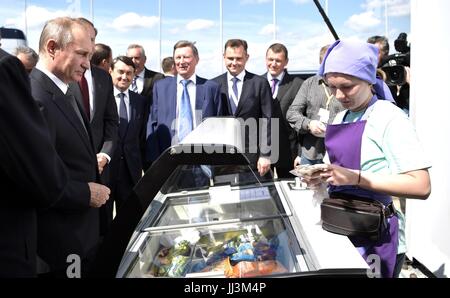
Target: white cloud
{"type": "Point", "coordinates": [373, 4]}
{"type": "Point", "coordinates": [174, 30]}
{"type": "Point", "coordinates": [268, 30]}
{"type": "Point", "coordinates": [131, 20]}
{"type": "Point", "coordinates": [363, 22]}
{"type": "Point", "coordinates": [304, 54]}
{"type": "Point", "coordinates": [37, 16]}
{"type": "Point", "coordinates": [199, 24]}
{"type": "Point", "coordinates": [399, 8]}
{"type": "Point", "coordinates": [396, 8]}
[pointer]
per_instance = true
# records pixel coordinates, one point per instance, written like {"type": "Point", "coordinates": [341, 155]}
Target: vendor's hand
{"type": "Point", "coordinates": [315, 179]}
{"type": "Point", "coordinates": [336, 175]}
{"type": "Point", "coordinates": [263, 165]}
{"type": "Point", "coordinates": [101, 161]}
{"type": "Point", "coordinates": [317, 128]}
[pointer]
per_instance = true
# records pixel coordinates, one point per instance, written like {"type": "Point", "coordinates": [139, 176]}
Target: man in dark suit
{"type": "Point", "coordinates": [284, 88]}
{"type": "Point", "coordinates": [31, 173]}
{"type": "Point", "coordinates": [143, 81]}
{"type": "Point", "coordinates": [102, 56]}
{"type": "Point", "coordinates": [70, 228]}
{"type": "Point", "coordinates": [126, 165]}
{"type": "Point", "coordinates": [95, 94]}
{"type": "Point", "coordinates": [247, 96]}
{"type": "Point", "coordinates": [145, 78]}
{"type": "Point", "coordinates": [164, 125]}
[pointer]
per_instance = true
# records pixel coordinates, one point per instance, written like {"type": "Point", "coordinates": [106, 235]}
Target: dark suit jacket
{"type": "Point", "coordinates": [104, 121]}
{"type": "Point", "coordinates": [104, 124]}
{"type": "Point", "coordinates": [255, 102]}
{"type": "Point", "coordinates": [71, 226]}
{"type": "Point", "coordinates": [161, 125]}
{"type": "Point", "coordinates": [131, 145]}
{"type": "Point", "coordinates": [31, 173]}
{"type": "Point", "coordinates": [104, 118]}
{"type": "Point", "coordinates": [150, 77]}
{"type": "Point", "coordinates": [287, 136]}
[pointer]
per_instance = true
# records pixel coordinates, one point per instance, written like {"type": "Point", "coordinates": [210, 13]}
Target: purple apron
{"type": "Point", "coordinates": [343, 145]}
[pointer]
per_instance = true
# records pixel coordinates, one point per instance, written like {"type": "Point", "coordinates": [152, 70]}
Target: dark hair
{"type": "Point", "coordinates": [236, 43]}
{"type": "Point", "coordinates": [167, 64]}
{"type": "Point", "coordinates": [101, 52]}
{"type": "Point", "coordinates": [383, 41]}
{"type": "Point", "coordinates": [279, 48]}
{"type": "Point", "coordinates": [186, 43]}
{"type": "Point", "coordinates": [127, 60]}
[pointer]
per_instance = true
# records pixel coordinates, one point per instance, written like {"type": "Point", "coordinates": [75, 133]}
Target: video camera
{"type": "Point", "coordinates": [394, 65]}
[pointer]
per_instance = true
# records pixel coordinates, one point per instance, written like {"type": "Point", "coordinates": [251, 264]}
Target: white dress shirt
{"type": "Point", "coordinates": [140, 81]}
{"type": "Point", "coordinates": [239, 84]}
{"type": "Point", "coordinates": [90, 82]}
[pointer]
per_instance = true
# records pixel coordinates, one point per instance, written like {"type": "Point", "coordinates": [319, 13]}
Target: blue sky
{"type": "Point", "coordinates": [298, 25]}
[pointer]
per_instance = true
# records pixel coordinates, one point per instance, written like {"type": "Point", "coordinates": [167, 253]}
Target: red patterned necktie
{"type": "Point", "coordinates": [85, 93]}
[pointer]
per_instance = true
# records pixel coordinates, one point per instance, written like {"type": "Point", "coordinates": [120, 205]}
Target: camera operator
{"type": "Point", "coordinates": [381, 89]}
{"type": "Point", "coordinates": [397, 71]}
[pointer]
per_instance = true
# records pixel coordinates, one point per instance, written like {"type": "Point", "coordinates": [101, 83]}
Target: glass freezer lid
{"type": "Point", "coordinates": [240, 249]}
{"type": "Point", "coordinates": [219, 204]}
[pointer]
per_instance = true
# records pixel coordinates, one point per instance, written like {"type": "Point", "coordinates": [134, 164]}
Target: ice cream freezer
{"type": "Point", "coordinates": [200, 211]}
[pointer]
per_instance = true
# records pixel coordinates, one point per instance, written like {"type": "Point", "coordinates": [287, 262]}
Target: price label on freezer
{"type": "Point", "coordinates": [254, 194]}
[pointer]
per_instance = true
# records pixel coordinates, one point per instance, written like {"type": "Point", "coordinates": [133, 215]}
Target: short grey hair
{"type": "Point", "coordinates": [184, 44]}
{"type": "Point", "coordinates": [137, 46]}
{"type": "Point", "coordinates": [59, 29]}
{"type": "Point", "coordinates": [28, 52]}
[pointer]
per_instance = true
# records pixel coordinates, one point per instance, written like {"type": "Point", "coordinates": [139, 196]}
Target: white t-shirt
{"type": "Point", "coordinates": [389, 143]}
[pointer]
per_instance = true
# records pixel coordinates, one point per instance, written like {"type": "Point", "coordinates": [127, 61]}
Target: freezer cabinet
{"type": "Point", "coordinates": [237, 231]}
{"type": "Point", "coordinates": [222, 232]}
{"type": "Point", "coordinates": [201, 210]}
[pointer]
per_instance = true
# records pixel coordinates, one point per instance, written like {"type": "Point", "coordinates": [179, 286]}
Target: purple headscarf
{"type": "Point", "coordinates": [358, 59]}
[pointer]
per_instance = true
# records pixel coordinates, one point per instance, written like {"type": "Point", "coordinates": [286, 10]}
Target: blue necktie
{"type": "Point", "coordinates": [185, 113]}
{"type": "Point", "coordinates": [123, 115]}
{"type": "Point", "coordinates": [235, 91]}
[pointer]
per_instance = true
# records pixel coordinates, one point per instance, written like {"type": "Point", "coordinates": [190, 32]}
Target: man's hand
{"type": "Point", "coordinates": [101, 161]}
{"type": "Point", "coordinates": [408, 74]}
{"type": "Point", "coordinates": [317, 128]}
{"type": "Point", "coordinates": [297, 161]}
{"type": "Point", "coordinates": [99, 194]}
{"type": "Point", "coordinates": [263, 165]}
